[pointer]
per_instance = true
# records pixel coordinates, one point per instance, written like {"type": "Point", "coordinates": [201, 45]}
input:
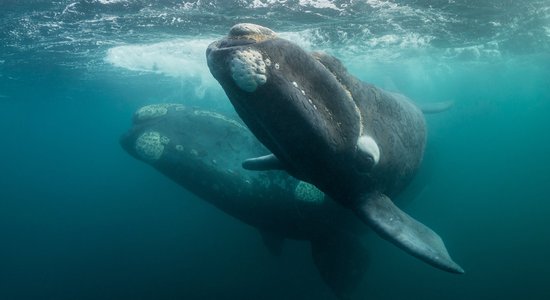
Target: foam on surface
{"type": "Point", "coordinates": [180, 58]}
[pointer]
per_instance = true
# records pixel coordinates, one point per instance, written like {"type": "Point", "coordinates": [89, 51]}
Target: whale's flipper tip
{"type": "Point", "coordinates": [263, 163]}
{"type": "Point", "coordinates": [378, 211]}
{"type": "Point", "coordinates": [436, 107]}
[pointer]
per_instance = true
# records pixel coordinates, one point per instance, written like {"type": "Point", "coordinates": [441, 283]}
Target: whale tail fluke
{"type": "Point", "coordinates": [394, 225]}
{"type": "Point", "coordinates": [342, 261]}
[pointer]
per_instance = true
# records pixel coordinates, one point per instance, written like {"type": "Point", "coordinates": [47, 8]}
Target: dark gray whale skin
{"type": "Point", "coordinates": [203, 150]}
{"type": "Point", "coordinates": [357, 143]}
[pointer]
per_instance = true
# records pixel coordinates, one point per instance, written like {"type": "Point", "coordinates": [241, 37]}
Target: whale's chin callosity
{"type": "Point", "coordinates": [248, 69]}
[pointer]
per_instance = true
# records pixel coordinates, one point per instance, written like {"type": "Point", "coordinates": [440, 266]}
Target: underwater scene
{"type": "Point", "coordinates": [127, 167]}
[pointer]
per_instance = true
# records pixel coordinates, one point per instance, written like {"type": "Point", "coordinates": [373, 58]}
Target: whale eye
{"type": "Point", "coordinates": [367, 155]}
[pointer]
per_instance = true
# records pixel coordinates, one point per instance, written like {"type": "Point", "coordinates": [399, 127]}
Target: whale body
{"type": "Point", "coordinates": [202, 151]}
{"type": "Point", "coordinates": [357, 143]}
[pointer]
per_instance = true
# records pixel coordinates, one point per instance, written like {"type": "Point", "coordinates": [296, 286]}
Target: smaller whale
{"type": "Point", "coordinates": [357, 143]}
{"type": "Point", "coordinates": [202, 151]}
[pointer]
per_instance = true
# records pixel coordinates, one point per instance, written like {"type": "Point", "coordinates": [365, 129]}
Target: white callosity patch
{"type": "Point", "coordinates": [248, 69]}
{"type": "Point", "coordinates": [308, 193]}
{"type": "Point", "coordinates": [150, 145]}
{"type": "Point", "coordinates": [155, 111]}
{"type": "Point", "coordinates": [368, 145]}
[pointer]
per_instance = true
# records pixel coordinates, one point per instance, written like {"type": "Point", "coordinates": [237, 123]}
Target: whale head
{"type": "Point", "coordinates": [292, 103]}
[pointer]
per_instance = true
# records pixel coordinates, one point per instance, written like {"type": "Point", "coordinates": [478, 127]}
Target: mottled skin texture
{"type": "Point", "coordinates": [208, 165]}
{"type": "Point", "coordinates": [313, 115]}
{"type": "Point", "coordinates": [397, 126]}
{"type": "Point", "coordinates": [204, 155]}
{"type": "Point", "coordinates": [333, 127]}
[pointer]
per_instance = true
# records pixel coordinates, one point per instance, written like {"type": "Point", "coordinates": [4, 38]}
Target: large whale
{"type": "Point", "coordinates": [357, 143]}
{"type": "Point", "coordinates": [203, 150]}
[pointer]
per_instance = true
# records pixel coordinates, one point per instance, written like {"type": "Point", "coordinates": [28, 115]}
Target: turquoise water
{"type": "Point", "coordinates": [81, 219]}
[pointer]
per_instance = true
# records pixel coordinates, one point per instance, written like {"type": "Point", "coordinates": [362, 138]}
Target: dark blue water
{"type": "Point", "coordinates": [81, 219]}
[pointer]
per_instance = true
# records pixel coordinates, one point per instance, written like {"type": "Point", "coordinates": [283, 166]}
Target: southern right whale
{"type": "Point", "coordinates": [202, 151]}
{"type": "Point", "coordinates": [356, 142]}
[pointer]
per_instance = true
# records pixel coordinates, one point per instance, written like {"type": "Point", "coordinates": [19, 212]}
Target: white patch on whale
{"type": "Point", "coordinates": [155, 110]}
{"type": "Point", "coordinates": [150, 145]}
{"type": "Point", "coordinates": [307, 192]}
{"type": "Point", "coordinates": [248, 69]}
{"type": "Point", "coordinates": [367, 144]}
